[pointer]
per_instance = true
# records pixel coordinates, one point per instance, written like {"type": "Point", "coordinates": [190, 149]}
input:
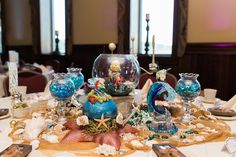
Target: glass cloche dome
{"type": "Point", "coordinates": [121, 73]}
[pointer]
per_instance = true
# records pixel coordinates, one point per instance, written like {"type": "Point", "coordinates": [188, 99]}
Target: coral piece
{"type": "Point", "coordinates": [71, 124]}
{"type": "Point", "coordinates": [128, 129]}
{"type": "Point", "coordinates": [33, 128]}
{"type": "Point", "coordinates": [75, 136]}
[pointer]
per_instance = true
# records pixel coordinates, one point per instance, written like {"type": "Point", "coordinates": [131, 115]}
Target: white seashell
{"type": "Point", "coordinates": [204, 133]}
{"type": "Point", "coordinates": [200, 126]}
{"type": "Point", "coordinates": [51, 138]}
{"type": "Point", "coordinates": [52, 103]}
{"type": "Point", "coordinates": [18, 141]}
{"type": "Point", "coordinates": [161, 74]}
{"type": "Point", "coordinates": [35, 144]}
{"type": "Point", "coordinates": [136, 143]}
{"type": "Point", "coordinates": [213, 130]}
{"type": "Point", "coordinates": [34, 127]}
{"type": "Point", "coordinates": [187, 141]}
{"type": "Point", "coordinates": [106, 150]}
{"type": "Point", "coordinates": [18, 131]}
{"type": "Point", "coordinates": [82, 120]}
{"type": "Point", "coordinates": [120, 119]}
{"type": "Point", "coordinates": [128, 136]}
{"type": "Point", "coordinates": [36, 115]}
{"type": "Point", "coordinates": [199, 138]}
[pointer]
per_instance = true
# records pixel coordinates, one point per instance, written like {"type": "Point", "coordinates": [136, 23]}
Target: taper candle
{"type": "Point", "coordinates": [153, 49]}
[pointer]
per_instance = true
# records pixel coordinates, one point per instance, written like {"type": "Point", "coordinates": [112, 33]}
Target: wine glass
{"type": "Point", "coordinates": [62, 88]}
{"type": "Point", "coordinates": [188, 88]}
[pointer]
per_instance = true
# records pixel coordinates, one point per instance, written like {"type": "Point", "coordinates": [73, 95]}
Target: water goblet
{"type": "Point", "coordinates": [188, 89]}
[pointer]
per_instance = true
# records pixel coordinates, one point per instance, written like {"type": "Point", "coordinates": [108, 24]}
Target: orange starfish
{"type": "Point", "coordinates": [102, 121]}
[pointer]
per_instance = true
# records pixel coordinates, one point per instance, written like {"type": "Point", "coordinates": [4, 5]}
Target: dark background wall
{"type": "Point", "coordinates": [215, 65]}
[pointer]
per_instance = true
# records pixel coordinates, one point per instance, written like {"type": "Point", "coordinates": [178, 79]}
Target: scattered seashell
{"type": "Point", "coordinates": [36, 115]}
{"type": "Point", "coordinates": [35, 144]}
{"type": "Point", "coordinates": [106, 150]}
{"type": "Point", "coordinates": [120, 119]}
{"type": "Point", "coordinates": [200, 126]}
{"type": "Point", "coordinates": [213, 130]}
{"type": "Point", "coordinates": [50, 138]}
{"type": "Point", "coordinates": [128, 136]}
{"type": "Point", "coordinates": [136, 143]}
{"type": "Point", "coordinates": [199, 138]}
{"type": "Point", "coordinates": [18, 131]}
{"type": "Point", "coordinates": [187, 140]}
{"type": "Point", "coordinates": [18, 141]}
{"type": "Point", "coordinates": [34, 127]}
{"type": "Point", "coordinates": [52, 103]}
{"type": "Point", "coordinates": [82, 120]}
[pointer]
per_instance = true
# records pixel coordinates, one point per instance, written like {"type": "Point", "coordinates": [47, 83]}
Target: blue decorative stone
{"type": "Point", "coordinates": [62, 87]}
{"type": "Point", "coordinates": [95, 111]}
{"type": "Point", "coordinates": [76, 76]}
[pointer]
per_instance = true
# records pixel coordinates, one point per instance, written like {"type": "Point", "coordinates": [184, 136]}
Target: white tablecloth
{"type": "Point", "coordinates": [213, 149]}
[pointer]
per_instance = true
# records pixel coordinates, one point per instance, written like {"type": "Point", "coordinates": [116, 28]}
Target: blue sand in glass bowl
{"type": "Point", "coordinates": [78, 80]}
{"type": "Point", "coordinates": [62, 91]}
{"type": "Point", "coordinates": [188, 91]}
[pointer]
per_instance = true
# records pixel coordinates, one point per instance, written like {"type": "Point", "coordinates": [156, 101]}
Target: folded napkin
{"type": "Point", "coordinates": [230, 104]}
{"type": "Point", "coordinates": [145, 89]}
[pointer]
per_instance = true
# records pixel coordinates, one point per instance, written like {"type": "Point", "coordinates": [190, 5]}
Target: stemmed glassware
{"type": "Point", "coordinates": [77, 77]}
{"type": "Point", "coordinates": [62, 88]}
{"type": "Point", "coordinates": [188, 88]}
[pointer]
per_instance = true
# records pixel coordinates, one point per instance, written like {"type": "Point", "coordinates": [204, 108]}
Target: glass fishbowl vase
{"type": "Point", "coordinates": [188, 89]}
{"type": "Point", "coordinates": [76, 76]}
{"type": "Point", "coordinates": [62, 88]}
{"type": "Point", "coordinates": [121, 73]}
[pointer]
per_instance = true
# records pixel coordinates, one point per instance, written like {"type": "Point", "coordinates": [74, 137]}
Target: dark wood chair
{"type": "Point", "coordinates": [30, 67]}
{"type": "Point", "coordinates": [170, 79]}
{"type": "Point", "coordinates": [54, 63]}
{"type": "Point", "coordinates": [34, 81]}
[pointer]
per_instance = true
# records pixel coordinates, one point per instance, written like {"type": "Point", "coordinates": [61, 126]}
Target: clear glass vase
{"type": "Point", "coordinates": [121, 73]}
{"type": "Point", "coordinates": [76, 76]}
{"type": "Point", "coordinates": [62, 88]}
{"type": "Point", "coordinates": [188, 89]}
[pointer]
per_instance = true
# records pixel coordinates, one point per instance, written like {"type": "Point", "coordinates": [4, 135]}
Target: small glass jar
{"type": "Point", "coordinates": [62, 87]}
{"type": "Point", "coordinates": [76, 76]}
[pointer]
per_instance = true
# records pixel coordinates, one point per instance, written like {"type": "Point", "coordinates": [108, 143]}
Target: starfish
{"type": "Point", "coordinates": [102, 121]}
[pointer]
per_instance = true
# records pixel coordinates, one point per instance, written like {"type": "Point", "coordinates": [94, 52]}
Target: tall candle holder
{"type": "Point", "coordinates": [57, 40]}
{"type": "Point", "coordinates": [147, 29]}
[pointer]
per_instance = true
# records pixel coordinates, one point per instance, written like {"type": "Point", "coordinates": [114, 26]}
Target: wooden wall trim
{"type": "Point", "coordinates": [211, 48]}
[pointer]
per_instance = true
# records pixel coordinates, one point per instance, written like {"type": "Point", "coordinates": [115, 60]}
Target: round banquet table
{"type": "Point", "coordinates": [209, 149]}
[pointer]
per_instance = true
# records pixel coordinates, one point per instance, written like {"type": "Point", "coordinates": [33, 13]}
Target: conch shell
{"type": "Point", "coordinates": [82, 120]}
{"type": "Point", "coordinates": [120, 119]}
